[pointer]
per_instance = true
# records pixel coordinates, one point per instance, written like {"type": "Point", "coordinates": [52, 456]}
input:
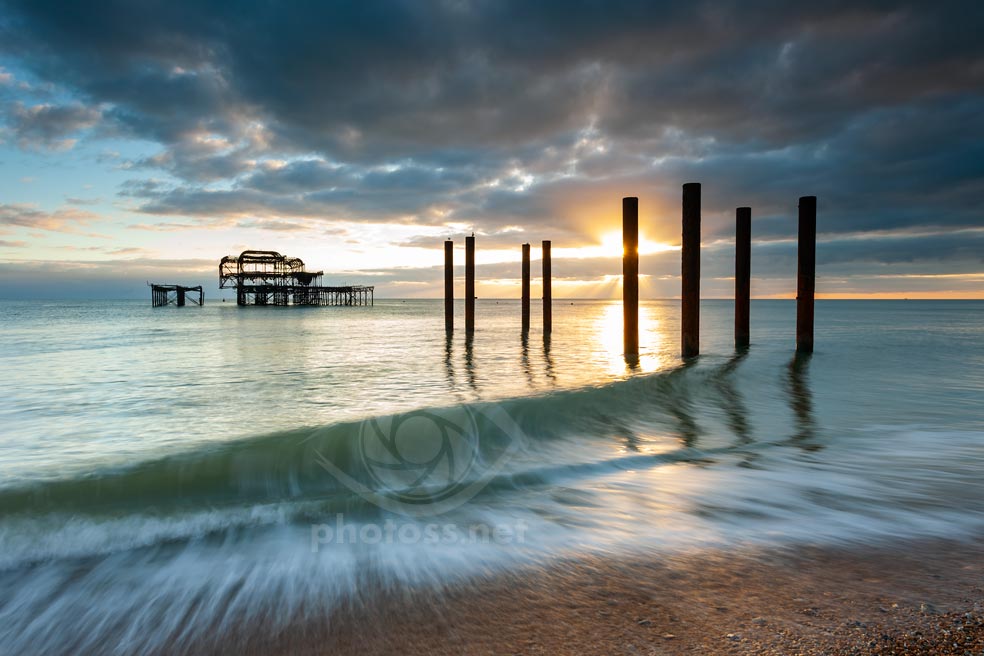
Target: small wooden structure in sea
{"type": "Point", "coordinates": [269, 278]}
{"type": "Point", "coordinates": [162, 295]}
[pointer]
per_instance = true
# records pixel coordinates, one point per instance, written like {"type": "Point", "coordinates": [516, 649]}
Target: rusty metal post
{"type": "Point", "coordinates": [470, 284]}
{"type": "Point", "coordinates": [630, 274]}
{"type": "Point", "coordinates": [526, 288]}
{"type": "Point", "coordinates": [806, 278]}
{"type": "Point", "coordinates": [690, 270]}
{"type": "Point", "coordinates": [743, 276]}
{"type": "Point", "coordinates": [547, 291]}
{"type": "Point", "coordinates": [180, 296]}
{"type": "Point", "coordinates": [449, 286]}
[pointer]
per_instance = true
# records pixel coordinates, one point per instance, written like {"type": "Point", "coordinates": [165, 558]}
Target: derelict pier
{"type": "Point", "coordinates": [269, 278]}
{"type": "Point", "coordinates": [161, 295]}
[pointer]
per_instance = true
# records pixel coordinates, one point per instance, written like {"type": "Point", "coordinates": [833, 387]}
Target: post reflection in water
{"type": "Point", "coordinates": [731, 399]}
{"type": "Point", "coordinates": [588, 349]}
{"type": "Point", "coordinates": [525, 360]}
{"type": "Point", "coordinates": [470, 361]}
{"type": "Point", "coordinates": [677, 398]}
{"type": "Point", "coordinates": [609, 329]}
{"type": "Point", "coordinates": [628, 436]}
{"type": "Point", "coordinates": [548, 365]}
{"type": "Point", "coordinates": [801, 402]}
{"type": "Point", "coordinates": [612, 425]}
{"type": "Point", "coordinates": [449, 362]}
{"type": "Point", "coordinates": [733, 404]}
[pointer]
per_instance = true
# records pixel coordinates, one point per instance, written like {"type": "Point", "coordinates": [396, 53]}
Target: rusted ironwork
{"type": "Point", "coordinates": [630, 274]}
{"type": "Point", "coordinates": [743, 276]}
{"type": "Point", "coordinates": [806, 278]}
{"type": "Point", "coordinates": [449, 286]}
{"type": "Point", "coordinates": [161, 295]}
{"type": "Point", "coordinates": [269, 278]}
{"type": "Point", "coordinates": [690, 271]}
{"type": "Point", "coordinates": [470, 284]}
{"type": "Point", "coordinates": [547, 293]}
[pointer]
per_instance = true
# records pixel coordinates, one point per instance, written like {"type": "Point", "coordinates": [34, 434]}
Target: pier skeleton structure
{"type": "Point", "coordinates": [269, 278]}
{"type": "Point", "coordinates": [162, 295]}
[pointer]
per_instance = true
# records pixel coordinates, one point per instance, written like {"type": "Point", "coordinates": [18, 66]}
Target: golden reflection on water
{"type": "Point", "coordinates": [653, 355]}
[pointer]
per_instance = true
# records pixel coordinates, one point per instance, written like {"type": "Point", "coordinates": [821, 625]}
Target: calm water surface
{"type": "Point", "coordinates": [198, 463]}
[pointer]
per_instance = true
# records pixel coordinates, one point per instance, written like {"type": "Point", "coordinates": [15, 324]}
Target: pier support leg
{"type": "Point", "coordinates": [449, 286]}
{"type": "Point", "coordinates": [630, 274]}
{"type": "Point", "coordinates": [180, 296]}
{"type": "Point", "coordinates": [743, 276]}
{"type": "Point", "coordinates": [806, 278]}
{"type": "Point", "coordinates": [690, 270]}
{"type": "Point", "coordinates": [526, 288]}
{"type": "Point", "coordinates": [470, 284]}
{"type": "Point", "coordinates": [547, 291]}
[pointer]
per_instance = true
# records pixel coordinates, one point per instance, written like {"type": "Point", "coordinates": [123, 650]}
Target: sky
{"type": "Point", "coordinates": [143, 140]}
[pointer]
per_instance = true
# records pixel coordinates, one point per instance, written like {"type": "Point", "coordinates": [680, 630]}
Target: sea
{"type": "Point", "coordinates": [170, 473]}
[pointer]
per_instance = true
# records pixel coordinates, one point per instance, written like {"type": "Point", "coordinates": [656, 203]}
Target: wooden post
{"type": "Point", "coordinates": [806, 278]}
{"type": "Point", "coordinates": [743, 276]}
{"type": "Point", "coordinates": [690, 270]}
{"type": "Point", "coordinates": [470, 284]}
{"type": "Point", "coordinates": [547, 291]}
{"type": "Point", "coordinates": [449, 286]}
{"type": "Point", "coordinates": [180, 296]}
{"type": "Point", "coordinates": [526, 288]}
{"type": "Point", "coordinates": [630, 274]}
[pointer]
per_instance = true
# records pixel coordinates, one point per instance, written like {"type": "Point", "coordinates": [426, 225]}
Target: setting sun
{"type": "Point", "coordinates": [611, 246]}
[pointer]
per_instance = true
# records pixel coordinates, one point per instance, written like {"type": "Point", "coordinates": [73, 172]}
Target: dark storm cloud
{"type": "Point", "coordinates": [494, 114]}
{"type": "Point", "coordinates": [461, 72]}
{"type": "Point", "coordinates": [403, 177]}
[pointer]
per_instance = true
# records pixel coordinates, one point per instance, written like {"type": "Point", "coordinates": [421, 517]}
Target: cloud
{"type": "Point", "coordinates": [50, 126]}
{"type": "Point", "coordinates": [275, 226]}
{"type": "Point", "coordinates": [492, 115]}
{"type": "Point", "coordinates": [381, 77]}
{"type": "Point", "coordinates": [107, 250]}
{"type": "Point", "coordinates": [163, 227]}
{"type": "Point", "coordinates": [20, 215]}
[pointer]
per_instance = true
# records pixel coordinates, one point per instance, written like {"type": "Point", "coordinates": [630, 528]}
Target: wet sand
{"type": "Point", "coordinates": [914, 598]}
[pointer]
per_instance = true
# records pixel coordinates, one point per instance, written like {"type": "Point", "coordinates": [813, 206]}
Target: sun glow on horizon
{"type": "Point", "coordinates": [611, 246]}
